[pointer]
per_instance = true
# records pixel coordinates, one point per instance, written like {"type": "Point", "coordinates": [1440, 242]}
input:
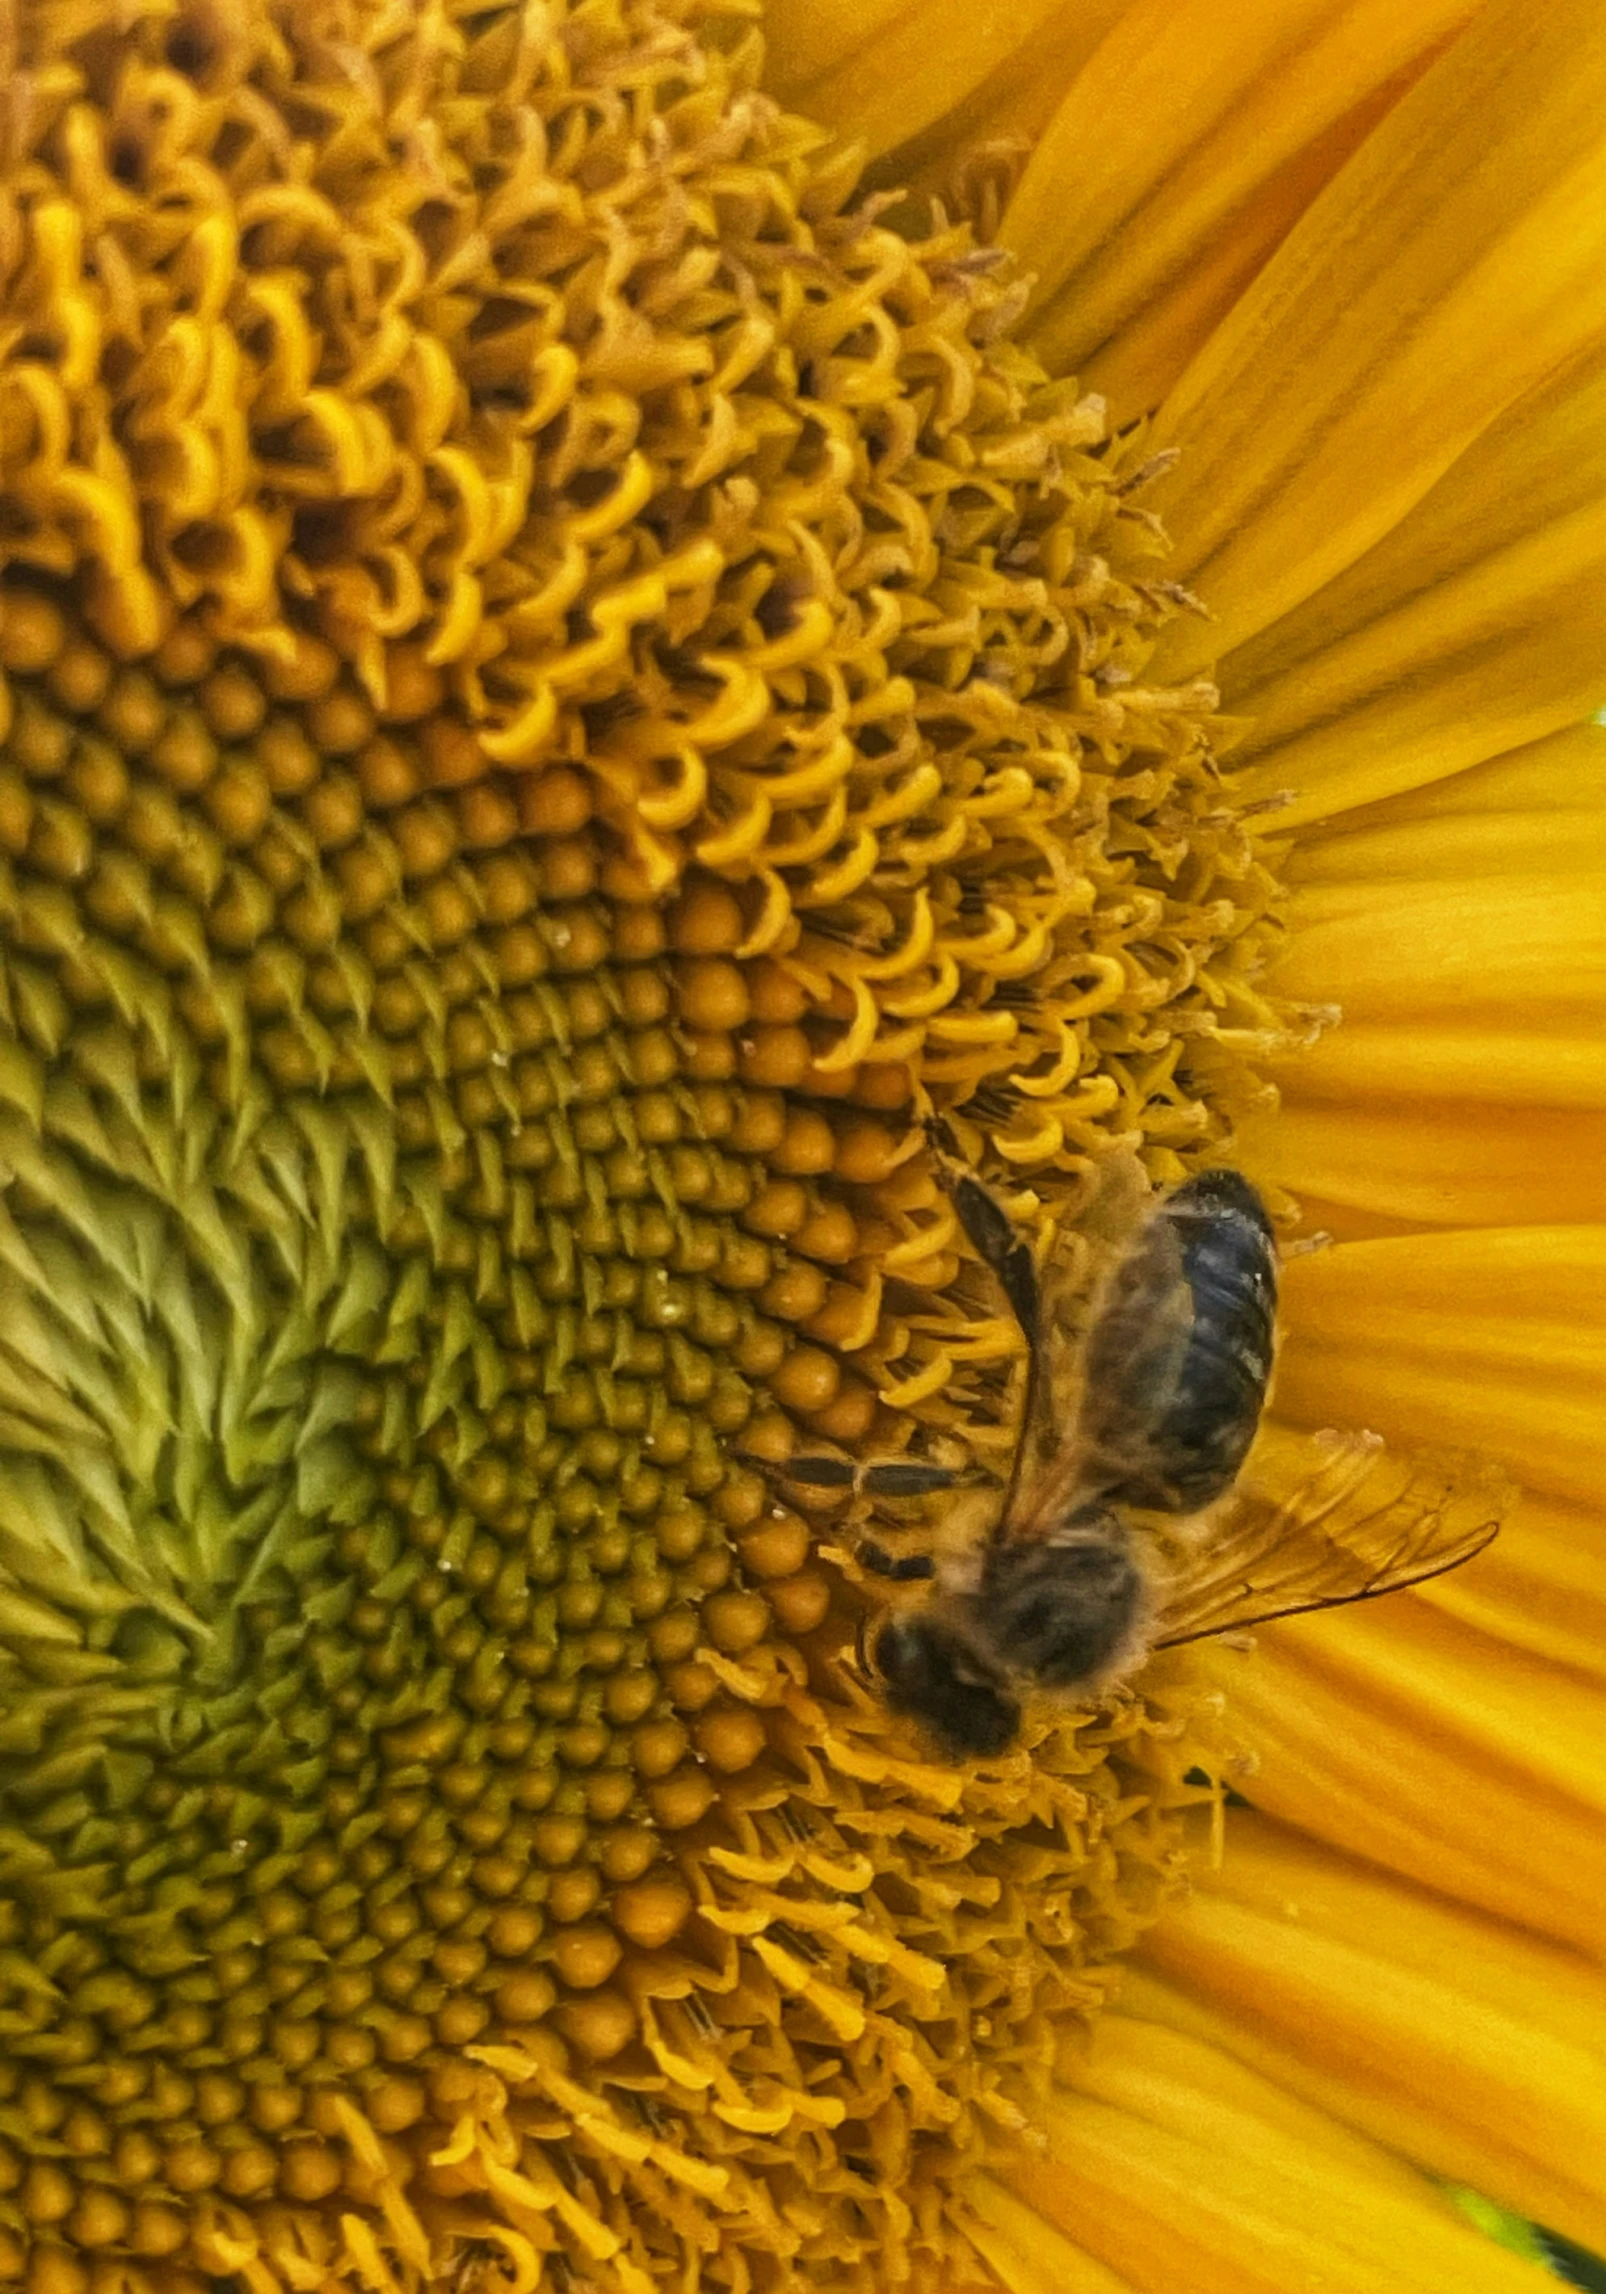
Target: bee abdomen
{"type": "Point", "coordinates": [1197, 1435]}
{"type": "Point", "coordinates": [1229, 1257]}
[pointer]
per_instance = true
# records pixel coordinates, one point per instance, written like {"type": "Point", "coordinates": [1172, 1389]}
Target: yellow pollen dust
{"type": "Point", "coordinates": [563, 684]}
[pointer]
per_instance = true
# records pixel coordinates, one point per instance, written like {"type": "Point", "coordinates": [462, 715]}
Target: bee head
{"type": "Point", "coordinates": [1065, 1610]}
{"type": "Point", "coordinates": [933, 1671]}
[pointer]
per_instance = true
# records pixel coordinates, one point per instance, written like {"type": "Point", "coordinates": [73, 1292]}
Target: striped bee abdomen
{"type": "Point", "coordinates": [1177, 1412]}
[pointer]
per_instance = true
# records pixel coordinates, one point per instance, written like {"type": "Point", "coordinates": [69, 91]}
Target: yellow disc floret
{"type": "Point", "coordinates": [563, 685]}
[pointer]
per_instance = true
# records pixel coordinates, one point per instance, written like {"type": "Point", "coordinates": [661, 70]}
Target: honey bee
{"type": "Point", "coordinates": [1146, 1378]}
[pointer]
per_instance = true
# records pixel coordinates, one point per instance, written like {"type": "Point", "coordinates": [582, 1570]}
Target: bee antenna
{"type": "Point", "coordinates": [864, 1663]}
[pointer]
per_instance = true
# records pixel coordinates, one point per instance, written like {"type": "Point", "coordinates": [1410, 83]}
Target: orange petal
{"type": "Point", "coordinates": [1180, 2168]}
{"type": "Point", "coordinates": [1446, 2035]}
{"type": "Point", "coordinates": [1453, 265]}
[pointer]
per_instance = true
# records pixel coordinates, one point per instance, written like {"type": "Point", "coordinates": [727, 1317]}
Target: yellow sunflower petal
{"type": "Point", "coordinates": [1491, 1338]}
{"type": "Point", "coordinates": [1540, 1054]}
{"type": "Point", "coordinates": [1026, 2252]}
{"type": "Point", "coordinates": [1540, 1587]}
{"type": "Point", "coordinates": [1472, 628]}
{"type": "Point", "coordinates": [1405, 1736]}
{"type": "Point", "coordinates": [1179, 2168]}
{"type": "Point", "coordinates": [1360, 1171]}
{"type": "Point", "coordinates": [1454, 2038]}
{"type": "Point", "coordinates": [1138, 365]}
{"type": "Point", "coordinates": [1565, 772]}
{"type": "Point", "coordinates": [1457, 921]}
{"type": "Point", "coordinates": [807, 43]}
{"type": "Point", "coordinates": [1451, 267]}
{"type": "Point", "coordinates": [1386, 1119]}
{"type": "Point", "coordinates": [884, 73]}
{"type": "Point", "coordinates": [1185, 148]}
{"type": "Point", "coordinates": [1513, 815]}
{"type": "Point", "coordinates": [1416, 951]}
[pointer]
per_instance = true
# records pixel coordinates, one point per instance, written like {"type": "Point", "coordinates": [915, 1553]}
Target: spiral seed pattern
{"type": "Point", "coordinates": [563, 683]}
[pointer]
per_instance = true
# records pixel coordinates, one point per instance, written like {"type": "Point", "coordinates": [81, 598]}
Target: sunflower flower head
{"type": "Point", "coordinates": [564, 683]}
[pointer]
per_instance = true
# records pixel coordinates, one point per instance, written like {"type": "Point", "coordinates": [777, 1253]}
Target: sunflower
{"type": "Point", "coordinates": [572, 666]}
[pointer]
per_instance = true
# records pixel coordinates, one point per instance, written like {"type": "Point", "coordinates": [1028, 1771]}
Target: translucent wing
{"type": "Point", "coordinates": [1114, 1321]}
{"type": "Point", "coordinates": [1138, 1344]}
{"type": "Point", "coordinates": [1326, 1519]}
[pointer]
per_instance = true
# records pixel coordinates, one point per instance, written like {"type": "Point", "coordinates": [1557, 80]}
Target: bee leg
{"type": "Point", "coordinates": [905, 1477]}
{"type": "Point", "coordinates": [815, 1472]}
{"type": "Point", "coordinates": [991, 1229]}
{"type": "Point", "coordinates": [1321, 1240]}
{"type": "Point", "coordinates": [881, 1477]}
{"type": "Point", "coordinates": [902, 1569]}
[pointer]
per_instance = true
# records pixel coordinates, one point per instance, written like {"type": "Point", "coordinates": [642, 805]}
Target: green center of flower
{"type": "Point", "coordinates": [563, 684]}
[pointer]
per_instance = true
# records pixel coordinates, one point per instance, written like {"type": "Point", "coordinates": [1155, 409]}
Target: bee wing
{"type": "Point", "coordinates": [1137, 1346]}
{"type": "Point", "coordinates": [1114, 1323]}
{"type": "Point", "coordinates": [1359, 1521]}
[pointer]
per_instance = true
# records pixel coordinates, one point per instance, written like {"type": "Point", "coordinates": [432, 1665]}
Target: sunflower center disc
{"type": "Point", "coordinates": [555, 669]}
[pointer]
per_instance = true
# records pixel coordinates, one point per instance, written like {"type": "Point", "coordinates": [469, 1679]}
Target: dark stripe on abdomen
{"type": "Point", "coordinates": [1229, 1259]}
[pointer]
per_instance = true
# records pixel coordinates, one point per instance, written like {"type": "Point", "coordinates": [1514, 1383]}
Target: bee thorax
{"type": "Point", "coordinates": [1067, 1613]}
